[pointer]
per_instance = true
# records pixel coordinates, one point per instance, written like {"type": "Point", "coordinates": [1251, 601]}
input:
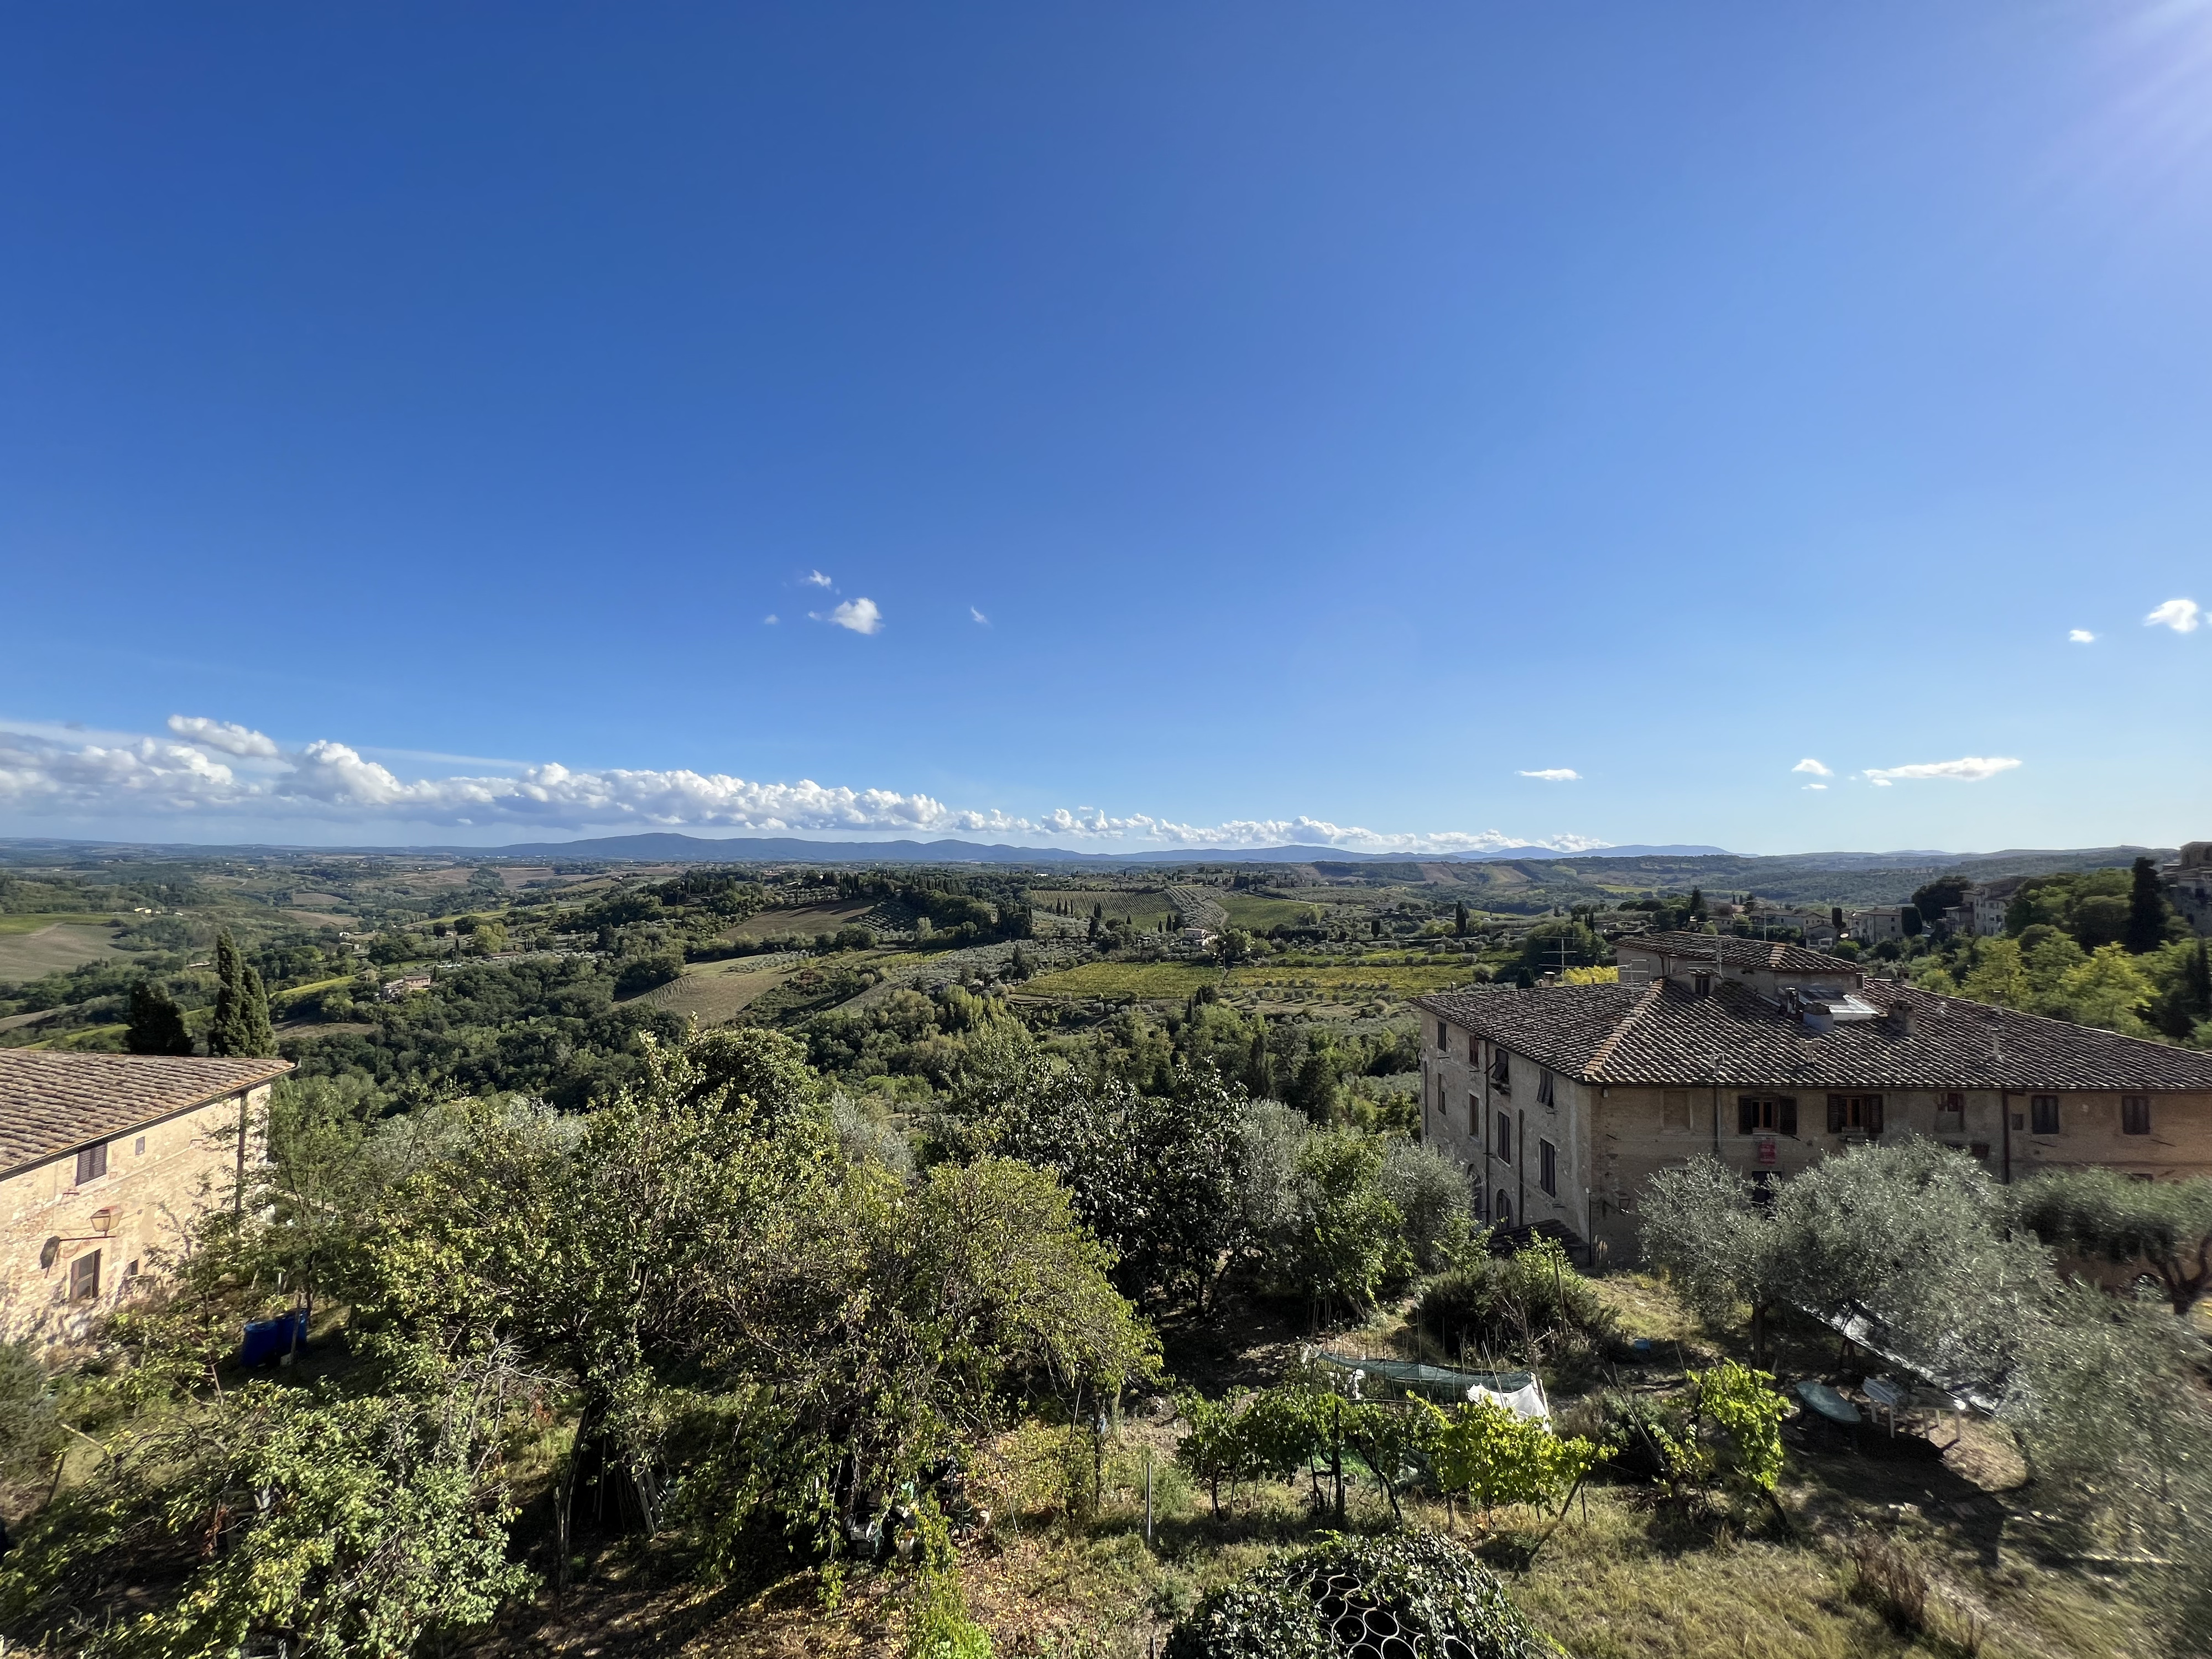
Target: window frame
{"type": "Point", "coordinates": [84, 1278]}
{"type": "Point", "coordinates": [2135, 1115]}
{"type": "Point", "coordinates": [1547, 1167]}
{"type": "Point", "coordinates": [2045, 1108]}
{"type": "Point", "coordinates": [1546, 1094]}
{"type": "Point", "coordinates": [1766, 1114]}
{"type": "Point", "coordinates": [1501, 1072]}
{"type": "Point", "coordinates": [91, 1164]}
{"type": "Point", "coordinates": [1855, 1114]}
{"type": "Point", "coordinates": [1503, 1139]}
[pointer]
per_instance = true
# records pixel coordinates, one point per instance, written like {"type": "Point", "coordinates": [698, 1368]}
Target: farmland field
{"type": "Point", "coordinates": [1257, 914]}
{"type": "Point", "coordinates": [1261, 981]}
{"type": "Point", "coordinates": [805, 920]}
{"type": "Point", "coordinates": [32, 945]}
{"type": "Point", "coordinates": [719, 992]}
{"type": "Point", "coordinates": [1125, 978]}
{"type": "Point", "coordinates": [1143, 906]}
{"type": "Point", "coordinates": [1354, 981]}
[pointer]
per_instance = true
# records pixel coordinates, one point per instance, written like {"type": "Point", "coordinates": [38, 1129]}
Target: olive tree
{"type": "Point", "coordinates": [2100, 1215]}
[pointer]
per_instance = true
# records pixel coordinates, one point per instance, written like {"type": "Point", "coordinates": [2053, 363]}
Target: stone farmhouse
{"type": "Point", "coordinates": [105, 1159]}
{"type": "Point", "coordinates": [1560, 1101]}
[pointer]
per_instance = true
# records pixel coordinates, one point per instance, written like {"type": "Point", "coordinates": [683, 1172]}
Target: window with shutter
{"type": "Point", "coordinates": [2135, 1115]}
{"type": "Point", "coordinates": [1855, 1114]}
{"type": "Point", "coordinates": [1544, 1089]}
{"type": "Point", "coordinates": [1548, 1167]}
{"type": "Point", "coordinates": [91, 1164]}
{"type": "Point", "coordinates": [1755, 1113]}
{"type": "Point", "coordinates": [1504, 1137]}
{"type": "Point", "coordinates": [84, 1278]}
{"type": "Point", "coordinates": [2044, 1109]}
{"type": "Point", "coordinates": [1501, 1074]}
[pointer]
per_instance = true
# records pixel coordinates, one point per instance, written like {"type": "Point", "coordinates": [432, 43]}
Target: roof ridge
{"type": "Point", "coordinates": [1651, 992]}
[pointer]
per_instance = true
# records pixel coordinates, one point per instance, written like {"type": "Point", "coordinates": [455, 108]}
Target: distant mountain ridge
{"type": "Point", "coordinates": [671, 847]}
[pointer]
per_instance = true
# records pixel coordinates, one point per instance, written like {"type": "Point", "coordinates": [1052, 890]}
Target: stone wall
{"type": "Point", "coordinates": [159, 1177]}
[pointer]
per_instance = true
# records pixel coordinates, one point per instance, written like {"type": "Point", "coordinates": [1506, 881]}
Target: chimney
{"type": "Point", "coordinates": [1901, 1018]}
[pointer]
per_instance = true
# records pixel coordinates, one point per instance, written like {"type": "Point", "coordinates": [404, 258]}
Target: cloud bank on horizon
{"type": "Point", "coordinates": [207, 767]}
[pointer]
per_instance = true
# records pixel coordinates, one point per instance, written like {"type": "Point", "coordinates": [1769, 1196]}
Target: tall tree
{"type": "Point", "coordinates": [2146, 929]}
{"type": "Point", "coordinates": [157, 1025]}
{"type": "Point", "coordinates": [240, 1026]}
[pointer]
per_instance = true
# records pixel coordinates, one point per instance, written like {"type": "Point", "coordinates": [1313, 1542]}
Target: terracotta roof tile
{"type": "Point", "coordinates": [51, 1103]}
{"type": "Point", "coordinates": [1665, 1034]}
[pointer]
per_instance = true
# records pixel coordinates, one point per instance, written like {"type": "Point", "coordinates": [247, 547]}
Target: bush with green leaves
{"type": "Point", "coordinates": [1362, 1598]}
{"type": "Point", "coordinates": [1491, 1455]}
{"type": "Point", "coordinates": [1431, 1193]}
{"type": "Point", "coordinates": [1521, 1303]}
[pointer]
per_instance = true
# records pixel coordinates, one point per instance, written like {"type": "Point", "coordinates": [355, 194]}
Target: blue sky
{"type": "Point", "coordinates": [1225, 423]}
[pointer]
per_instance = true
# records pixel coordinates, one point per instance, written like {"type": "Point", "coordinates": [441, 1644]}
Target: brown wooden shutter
{"type": "Point", "coordinates": [1785, 1116]}
{"type": "Point", "coordinates": [1835, 1115]}
{"type": "Point", "coordinates": [1746, 1113]}
{"type": "Point", "coordinates": [1871, 1110]}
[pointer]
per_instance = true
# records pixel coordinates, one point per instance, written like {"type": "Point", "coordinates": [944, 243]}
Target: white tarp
{"type": "Point", "coordinates": [1527, 1402]}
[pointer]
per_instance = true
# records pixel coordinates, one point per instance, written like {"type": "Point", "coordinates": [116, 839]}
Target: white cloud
{"type": "Point", "coordinates": [1556, 775]}
{"type": "Point", "coordinates": [226, 736]}
{"type": "Point", "coordinates": [46, 771]}
{"type": "Point", "coordinates": [1968, 768]}
{"type": "Point", "coordinates": [1808, 764]}
{"type": "Point", "coordinates": [816, 578]}
{"type": "Point", "coordinates": [979, 616]}
{"type": "Point", "coordinates": [858, 615]}
{"type": "Point", "coordinates": [2081, 636]}
{"type": "Point", "coordinates": [1816, 785]}
{"type": "Point", "coordinates": [771, 619]}
{"type": "Point", "coordinates": [2182, 616]}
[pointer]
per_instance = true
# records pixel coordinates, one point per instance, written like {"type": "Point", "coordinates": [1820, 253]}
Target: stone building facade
{"type": "Point", "coordinates": [106, 1159]}
{"type": "Point", "coordinates": [1561, 1101]}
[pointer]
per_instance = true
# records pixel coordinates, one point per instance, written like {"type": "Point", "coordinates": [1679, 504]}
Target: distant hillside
{"type": "Point", "coordinates": [1527, 880]}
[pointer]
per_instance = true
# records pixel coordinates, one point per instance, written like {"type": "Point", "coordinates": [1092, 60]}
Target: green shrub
{"type": "Point", "coordinates": [1506, 1301]}
{"type": "Point", "coordinates": [1410, 1593]}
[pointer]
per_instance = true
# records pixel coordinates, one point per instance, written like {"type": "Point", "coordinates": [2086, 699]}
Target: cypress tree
{"type": "Point", "coordinates": [240, 1027]}
{"type": "Point", "coordinates": [2146, 929]}
{"type": "Point", "coordinates": [157, 1025]}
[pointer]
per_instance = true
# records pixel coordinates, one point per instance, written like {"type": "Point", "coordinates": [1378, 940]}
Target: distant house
{"type": "Point", "coordinates": [1877, 923]}
{"type": "Point", "coordinates": [1990, 901]}
{"type": "Point", "coordinates": [406, 985]}
{"type": "Point", "coordinates": [1560, 1102]}
{"type": "Point", "coordinates": [103, 1159]}
{"type": "Point", "coordinates": [2188, 881]}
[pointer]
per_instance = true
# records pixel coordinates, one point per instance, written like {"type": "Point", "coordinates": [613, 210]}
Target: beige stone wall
{"type": "Point", "coordinates": [158, 1178]}
{"type": "Point", "coordinates": [1637, 1131]}
{"type": "Point", "coordinates": [1460, 1110]}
